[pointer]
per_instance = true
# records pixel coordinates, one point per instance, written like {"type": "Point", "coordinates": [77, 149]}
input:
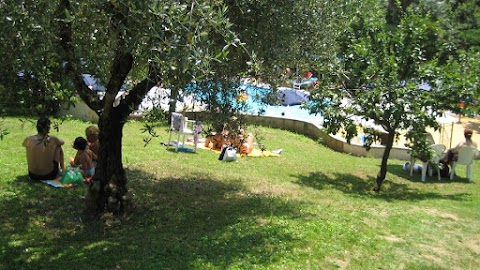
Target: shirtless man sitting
{"type": "Point", "coordinates": [44, 153]}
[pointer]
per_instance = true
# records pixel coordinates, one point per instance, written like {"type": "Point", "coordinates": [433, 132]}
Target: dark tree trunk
{"type": "Point", "coordinates": [383, 169]}
{"type": "Point", "coordinates": [109, 185]}
{"type": "Point", "coordinates": [108, 189]}
{"type": "Point", "coordinates": [173, 103]}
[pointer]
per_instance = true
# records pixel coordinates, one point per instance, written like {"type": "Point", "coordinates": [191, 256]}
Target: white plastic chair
{"type": "Point", "coordinates": [182, 126]}
{"type": "Point", "coordinates": [466, 154]}
{"type": "Point", "coordinates": [297, 85]}
{"type": "Point", "coordinates": [438, 150]}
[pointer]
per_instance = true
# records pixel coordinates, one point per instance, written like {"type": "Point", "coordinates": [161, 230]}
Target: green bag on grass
{"type": "Point", "coordinates": [72, 176]}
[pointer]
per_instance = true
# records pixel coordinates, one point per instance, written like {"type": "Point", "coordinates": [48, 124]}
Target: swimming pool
{"type": "Point", "coordinates": [160, 97]}
{"type": "Point", "coordinates": [257, 107]}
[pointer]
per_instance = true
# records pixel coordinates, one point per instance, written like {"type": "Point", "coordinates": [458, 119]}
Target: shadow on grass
{"type": "Point", "coordinates": [356, 186]}
{"type": "Point", "coordinates": [416, 177]}
{"type": "Point", "coordinates": [174, 224]}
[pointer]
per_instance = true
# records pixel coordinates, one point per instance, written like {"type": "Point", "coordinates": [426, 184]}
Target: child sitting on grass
{"type": "Point", "coordinates": [84, 158]}
{"type": "Point", "coordinates": [91, 132]}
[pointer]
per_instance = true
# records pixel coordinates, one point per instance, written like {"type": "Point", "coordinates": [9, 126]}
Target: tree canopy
{"type": "Point", "coordinates": [379, 76]}
{"type": "Point", "coordinates": [125, 44]}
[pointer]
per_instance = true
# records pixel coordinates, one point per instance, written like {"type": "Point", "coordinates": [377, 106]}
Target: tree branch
{"type": "Point", "coordinates": [136, 95]}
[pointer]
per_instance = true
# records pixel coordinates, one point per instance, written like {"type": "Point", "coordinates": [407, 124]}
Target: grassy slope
{"type": "Point", "coordinates": [310, 208]}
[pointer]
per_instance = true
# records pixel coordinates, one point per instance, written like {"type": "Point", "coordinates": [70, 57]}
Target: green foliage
{"type": "Point", "coordinates": [221, 99]}
{"type": "Point", "coordinates": [378, 76]}
{"type": "Point", "coordinates": [379, 73]}
{"type": "Point", "coordinates": [30, 67]}
{"type": "Point", "coordinates": [300, 35]}
{"type": "Point", "coordinates": [460, 75]}
{"type": "Point", "coordinates": [466, 19]}
{"type": "Point", "coordinates": [458, 53]}
{"type": "Point", "coordinates": [459, 22]}
{"type": "Point", "coordinates": [183, 41]}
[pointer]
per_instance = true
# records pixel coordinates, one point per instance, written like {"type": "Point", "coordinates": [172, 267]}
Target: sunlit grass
{"type": "Point", "coordinates": [309, 208]}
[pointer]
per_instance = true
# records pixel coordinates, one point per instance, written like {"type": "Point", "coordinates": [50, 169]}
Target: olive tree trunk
{"type": "Point", "coordinates": [108, 188]}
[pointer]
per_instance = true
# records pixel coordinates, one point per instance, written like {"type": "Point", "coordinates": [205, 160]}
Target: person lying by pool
{"type": "Point", "coordinates": [216, 139]}
{"type": "Point", "coordinates": [243, 143]}
{"type": "Point", "coordinates": [221, 136]}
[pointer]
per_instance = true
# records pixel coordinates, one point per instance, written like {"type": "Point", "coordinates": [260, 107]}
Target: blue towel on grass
{"type": "Point", "coordinates": [53, 183]}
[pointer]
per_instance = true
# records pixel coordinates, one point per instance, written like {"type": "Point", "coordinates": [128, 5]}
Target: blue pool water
{"type": "Point", "coordinates": [257, 107]}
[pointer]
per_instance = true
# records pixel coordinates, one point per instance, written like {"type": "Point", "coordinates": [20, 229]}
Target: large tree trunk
{"type": "Point", "coordinates": [109, 185]}
{"type": "Point", "coordinates": [383, 169]}
{"type": "Point", "coordinates": [108, 189]}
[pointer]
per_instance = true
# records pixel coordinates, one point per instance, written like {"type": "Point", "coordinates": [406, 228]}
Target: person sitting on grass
{"type": "Point", "coordinates": [45, 156]}
{"type": "Point", "coordinates": [84, 158]}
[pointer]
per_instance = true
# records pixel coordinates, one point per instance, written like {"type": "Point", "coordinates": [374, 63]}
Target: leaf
{"type": "Point", "coordinates": [146, 141]}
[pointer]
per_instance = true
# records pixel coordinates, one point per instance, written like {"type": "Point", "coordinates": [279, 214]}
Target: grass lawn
{"type": "Point", "coordinates": [309, 208]}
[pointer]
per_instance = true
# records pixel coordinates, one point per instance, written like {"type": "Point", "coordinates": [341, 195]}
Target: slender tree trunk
{"type": "Point", "coordinates": [173, 102]}
{"type": "Point", "coordinates": [383, 169]}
